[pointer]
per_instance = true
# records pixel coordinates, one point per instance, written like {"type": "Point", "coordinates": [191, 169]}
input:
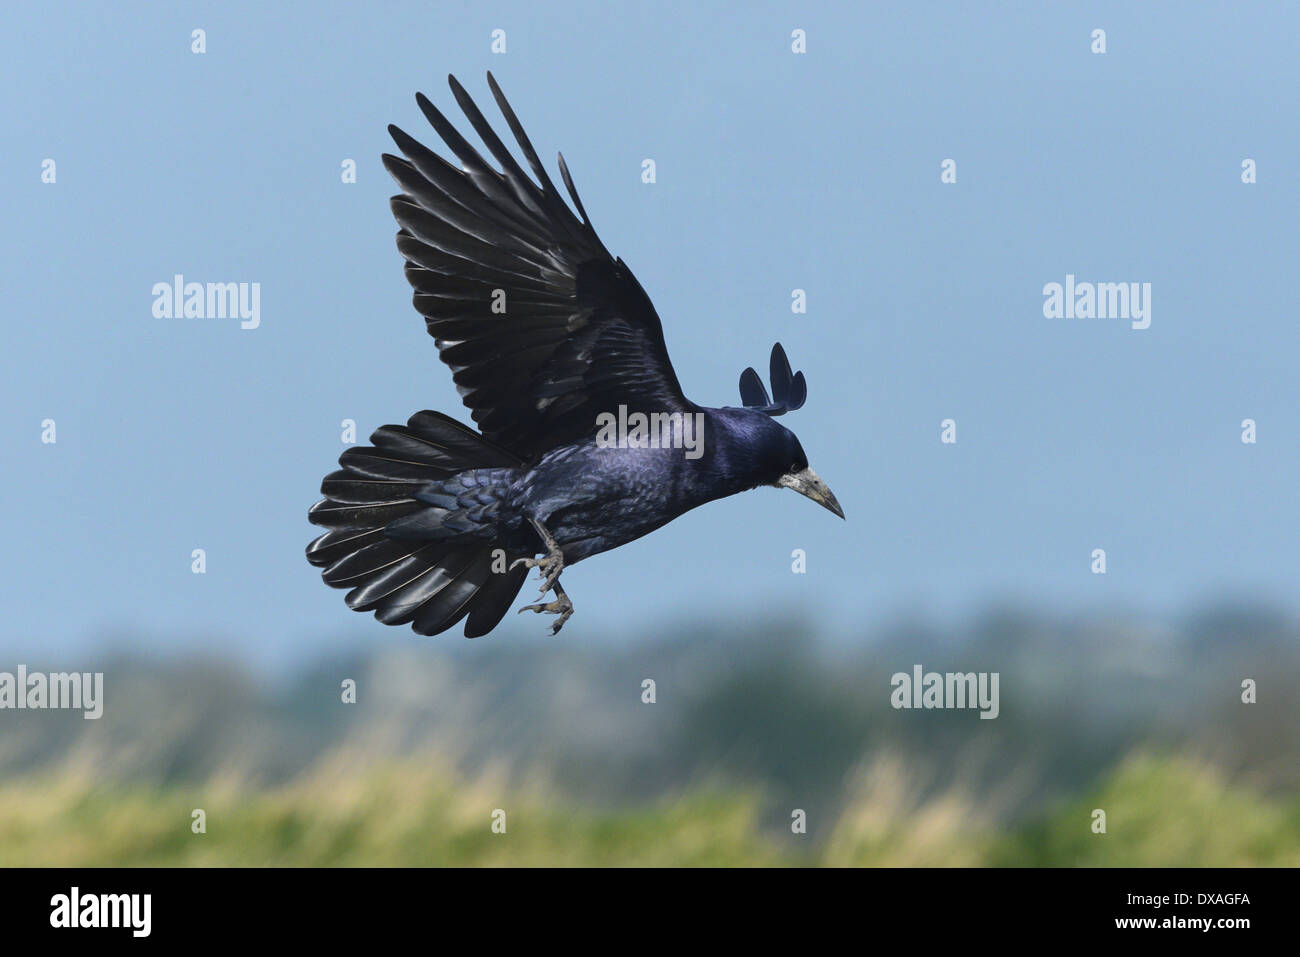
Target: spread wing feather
{"type": "Point", "coordinates": [542, 328]}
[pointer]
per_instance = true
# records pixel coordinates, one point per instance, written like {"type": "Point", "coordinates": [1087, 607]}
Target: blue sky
{"type": "Point", "coordinates": [775, 171]}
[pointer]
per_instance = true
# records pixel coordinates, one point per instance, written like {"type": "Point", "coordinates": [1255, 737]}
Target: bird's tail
{"type": "Point", "coordinates": [431, 584]}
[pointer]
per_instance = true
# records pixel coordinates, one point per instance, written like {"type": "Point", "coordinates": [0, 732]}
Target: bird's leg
{"type": "Point", "coordinates": [561, 606]}
{"type": "Point", "coordinates": [551, 565]}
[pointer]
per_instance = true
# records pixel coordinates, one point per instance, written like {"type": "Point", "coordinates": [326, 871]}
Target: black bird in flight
{"type": "Point", "coordinates": [550, 341]}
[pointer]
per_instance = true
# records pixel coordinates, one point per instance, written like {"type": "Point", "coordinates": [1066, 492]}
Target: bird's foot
{"type": "Point", "coordinates": [551, 564]}
{"type": "Point", "coordinates": [561, 607]}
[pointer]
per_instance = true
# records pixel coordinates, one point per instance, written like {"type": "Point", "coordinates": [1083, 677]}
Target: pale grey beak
{"type": "Point", "coordinates": [807, 483]}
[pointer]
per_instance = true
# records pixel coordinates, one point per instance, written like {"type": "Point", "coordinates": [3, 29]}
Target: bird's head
{"type": "Point", "coordinates": [778, 458]}
{"type": "Point", "coordinates": [783, 464]}
{"type": "Point", "coordinates": [808, 483]}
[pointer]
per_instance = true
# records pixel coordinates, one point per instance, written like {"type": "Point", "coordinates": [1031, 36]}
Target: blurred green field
{"type": "Point", "coordinates": [751, 721]}
{"type": "Point", "coordinates": [1168, 811]}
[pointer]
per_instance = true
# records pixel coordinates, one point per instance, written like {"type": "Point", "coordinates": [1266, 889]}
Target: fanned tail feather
{"type": "Point", "coordinates": [432, 585]}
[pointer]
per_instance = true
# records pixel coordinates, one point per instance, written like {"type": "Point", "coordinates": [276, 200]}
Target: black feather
{"type": "Point", "coordinates": [789, 390]}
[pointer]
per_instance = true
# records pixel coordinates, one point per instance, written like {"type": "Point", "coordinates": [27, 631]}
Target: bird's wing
{"type": "Point", "coordinates": [543, 329]}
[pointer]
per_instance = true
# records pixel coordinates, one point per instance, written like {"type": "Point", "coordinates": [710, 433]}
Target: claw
{"type": "Point", "coordinates": [561, 606]}
{"type": "Point", "coordinates": [551, 565]}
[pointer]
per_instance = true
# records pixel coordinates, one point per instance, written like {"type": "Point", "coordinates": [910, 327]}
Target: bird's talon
{"type": "Point", "coordinates": [561, 607]}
